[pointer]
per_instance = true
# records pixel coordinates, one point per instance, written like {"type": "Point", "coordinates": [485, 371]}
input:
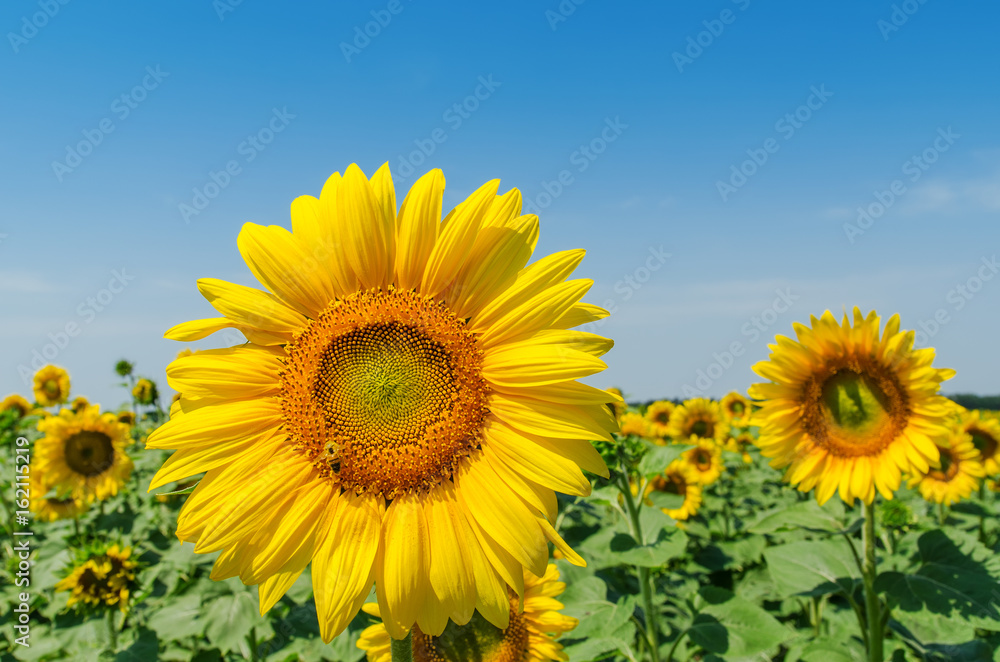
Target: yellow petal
{"type": "Point", "coordinates": [249, 307]}
{"type": "Point", "coordinates": [401, 576]}
{"type": "Point", "coordinates": [368, 238]}
{"type": "Point", "coordinates": [538, 365]}
{"type": "Point", "coordinates": [419, 221]}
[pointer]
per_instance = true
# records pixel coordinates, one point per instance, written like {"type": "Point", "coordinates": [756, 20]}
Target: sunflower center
{"type": "Point", "coordinates": [701, 428]}
{"type": "Point", "coordinates": [702, 459]}
{"type": "Point", "coordinates": [384, 391]}
{"type": "Point", "coordinates": [662, 418]}
{"type": "Point", "coordinates": [477, 640]}
{"type": "Point", "coordinates": [51, 387]}
{"type": "Point", "coordinates": [737, 408]}
{"type": "Point", "coordinates": [672, 483]}
{"type": "Point", "coordinates": [855, 410]}
{"type": "Point", "coordinates": [984, 443]}
{"type": "Point", "coordinates": [949, 466]}
{"type": "Point", "coordinates": [89, 452]}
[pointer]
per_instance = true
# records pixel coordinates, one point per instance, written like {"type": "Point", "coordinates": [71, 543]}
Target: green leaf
{"type": "Point", "coordinates": [228, 620]}
{"type": "Point", "coordinates": [813, 567]}
{"type": "Point", "coordinates": [952, 582]}
{"type": "Point", "coordinates": [807, 515]}
{"type": "Point", "coordinates": [180, 618]}
{"type": "Point", "coordinates": [666, 500]}
{"type": "Point", "coordinates": [658, 458]}
{"type": "Point", "coordinates": [144, 647]}
{"type": "Point", "coordinates": [669, 545]}
{"type": "Point", "coordinates": [968, 651]}
{"type": "Point", "coordinates": [730, 626]}
{"type": "Point", "coordinates": [587, 601]}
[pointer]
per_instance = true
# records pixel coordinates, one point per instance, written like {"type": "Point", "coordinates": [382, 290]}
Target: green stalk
{"type": "Point", "coordinates": [873, 609]}
{"type": "Point", "coordinates": [652, 630]}
{"type": "Point", "coordinates": [402, 649]}
{"type": "Point", "coordinates": [112, 631]}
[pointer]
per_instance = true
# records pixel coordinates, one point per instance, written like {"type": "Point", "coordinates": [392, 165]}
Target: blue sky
{"type": "Point", "coordinates": [625, 124]}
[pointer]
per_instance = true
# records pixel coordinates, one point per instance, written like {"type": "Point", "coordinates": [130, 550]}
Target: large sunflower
{"type": "Point", "coordinates": [847, 411]}
{"type": "Point", "coordinates": [51, 508]}
{"type": "Point", "coordinates": [658, 417]}
{"type": "Point", "coordinates": [985, 433]}
{"type": "Point", "coordinates": [956, 475]}
{"type": "Point", "coordinates": [705, 460]}
{"type": "Point", "coordinates": [83, 455]}
{"type": "Point", "coordinates": [51, 386]}
{"type": "Point", "coordinates": [682, 479]}
{"type": "Point", "coordinates": [404, 409]}
{"type": "Point", "coordinates": [699, 417]}
{"type": "Point", "coordinates": [735, 407]}
{"type": "Point", "coordinates": [529, 637]}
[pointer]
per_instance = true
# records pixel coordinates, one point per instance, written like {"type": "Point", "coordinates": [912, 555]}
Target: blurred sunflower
{"type": "Point", "coordinates": [736, 408]}
{"type": "Point", "coordinates": [658, 418]}
{"type": "Point", "coordinates": [741, 444]}
{"type": "Point", "coordinates": [848, 411]}
{"type": "Point", "coordinates": [985, 433]}
{"type": "Point", "coordinates": [529, 637]}
{"type": "Point", "coordinates": [83, 455]}
{"type": "Point", "coordinates": [698, 417]}
{"type": "Point", "coordinates": [705, 459]}
{"type": "Point", "coordinates": [634, 423]}
{"type": "Point", "coordinates": [16, 403]}
{"type": "Point", "coordinates": [51, 508]}
{"type": "Point", "coordinates": [51, 386]}
{"type": "Point", "coordinates": [410, 384]}
{"type": "Point", "coordinates": [126, 417]}
{"type": "Point", "coordinates": [617, 404]}
{"type": "Point", "coordinates": [79, 404]}
{"type": "Point", "coordinates": [956, 475]}
{"type": "Point", "coordinates": [682, 479]}
{"type": "Point", "coordinates": [102, 576]}
{"type": "Point", "coordinates": [144, 391]}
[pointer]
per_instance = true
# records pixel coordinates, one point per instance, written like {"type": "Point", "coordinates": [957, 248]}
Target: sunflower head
{"type": "Point", "coordinates": [144, 392]}
{"type": "Point", "coordinates": [101, 577]}
{"type": "Point", "coordinates": [895, 514]}
{"type": "Point", "coordinates": [126, 418]}
{"type": "Point", "coordinates": [46, 505]}
{"type": "Point", "coordinates": [617, 404]}
{"type": "Point", "coordinates": [735, 407]}
{"type": "Point", "coordinates": [79, 404]}
{"type": "Point", "coordinates": [124, 368]}
{"type": "Point", "coordinates": [705, 460]}
{"type": "Point", "coordinates": [682, 479]}
{"type": "Point", "coordinates": [956, 474]}
{"type": "Point", "coordinates": [701, 418]}
{"type": "Point", "coordinates": [412, 374]}
{"type": "Point", "coordinates": [847, 410]}
{"type": "Point", "coordinates": [634, 423]}
{"type": "Point", "coordinates": [83, 454]}
{"type": "Point", "coordinates": [17, 404]}
{"type": "Point", "coordinates": [985, 433]}
{"type": "Point", "coordinates": [51, 386]}
{"type": "Point", "coordinates": [741, 444]}
{"type": "Point", "coordinates": [658, 417]}
{"type": "Point", "coordinates": [530, 634]}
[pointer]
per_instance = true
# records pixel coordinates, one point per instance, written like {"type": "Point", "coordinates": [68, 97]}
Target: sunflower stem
{"type": "Point", "coordinates": [645, 583]}
{"type": "Point", "coordinates": [942, 514]}
{"type": "Point", "coordinates": [402, 649]}
{"type": "Point", "coordinates": [873, 608]}
{"type": "Point", "coordinates": [112, 631]}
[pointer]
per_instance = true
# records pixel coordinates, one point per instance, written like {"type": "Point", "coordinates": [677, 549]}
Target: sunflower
{"type": "Point", "coordinates": [705, 459]}
{"type": "Point", "coordinates": [741, 444]}
{"type": "Point", "coordinates": [683, 479]}
{"type": "Point", "coordinates": [51, 386]}
{"type": "Point", "coordinates": [83, 455]}
{"type": "Point", "coordinates": [17, 403]}
{"type": "Point", "coordinates": [846, 410]}
{"type": "Point", "coordinates": [735, 407]}
{"type": "Point", "coordinates": [957, 473]}
{"type": "Point", "coordinates": [985, 433]}
{"type": "Point", "coordinates": [658, 417]}
{"type": "Point", "coordinates": [529, 637]}
{"type": "Point", "coordinates": [126, 417]}
{"type": "Point", "coordinates": [634, 423]}
{"type": "Point", "coordinates": [701, 418]}
{"type": "Point", "coordinates": [144, 391]}
{"type": "Point", "coordinates": [79, 404]}
{"type": "Point", "coordinates": [103, 577]}
{"type": "Point", "coordinates": [51, 508]}
{"type": "Point", "coordinates": [617, 404]}
{"type": "Point", "coordinates": [403, 411]}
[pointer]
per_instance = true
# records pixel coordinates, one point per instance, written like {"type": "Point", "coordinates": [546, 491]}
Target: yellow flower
{"type": "Point", "coordinates": [79, 404]}
{"type": "Point", "coordinates": [410, 375]}
{"type": "Point", "coordinates": [51, 508]}
{"type": "Point", "coordinates": [634, 423]}
{"type": "Point", "coordinates": [617, 403]}
{"type": "Point", "coordinates": [847, 411]}
{"type": "Point", "coordinates": [705, 459]}
{"type": "Point", "coordinates": [956, 475]}
{"type": "Point", "coordinates": [103, 579]}
{"type": "Point", "coordinates": [529, 637]}
{"type": "Point", "coordinates": [17, 403]}
{"type": "Point", "coordinates": [683, 479]}
{"type": "Point", "coordinates": [51, 386]}
{"type": "Point", "coordinates": [735, 408]}
{"type": "Point", "coordinates": [740, 444]}
{"type": "Point", "coordinates": [985, 433]}
{"type": "Point", "coordinates": [658, 417]}
{"type": "Point", "coordinates": [144, 391]}
{"type": "Point", "coordinates": [126, 417]}
{"type": "Point", "coordinates": [701, 418]}
{"type": "Point", "coordinates": [83, 455]}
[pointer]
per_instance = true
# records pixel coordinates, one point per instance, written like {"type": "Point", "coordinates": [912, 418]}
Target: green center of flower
{"type": "Point", "coordinates": [737, 407]}
{"type": "Point", "coordinates": [477, 640]}
{"type": "Point", "coordinates": [984, 443]}
{"type": "Point", "coordinates": [949, 466]}
{"type": "Point", "coordinates": [701, 428]}
{"type": "Point", "coordinates": [854, 402]}
{"type": "Point", "coordinates": [51, 388]}
{"type": "Point", "coordinates": [89, 452]}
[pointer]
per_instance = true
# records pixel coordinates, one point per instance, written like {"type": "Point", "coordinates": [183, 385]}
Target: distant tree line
{"type": "Point", "coordinates": [973, 401]}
